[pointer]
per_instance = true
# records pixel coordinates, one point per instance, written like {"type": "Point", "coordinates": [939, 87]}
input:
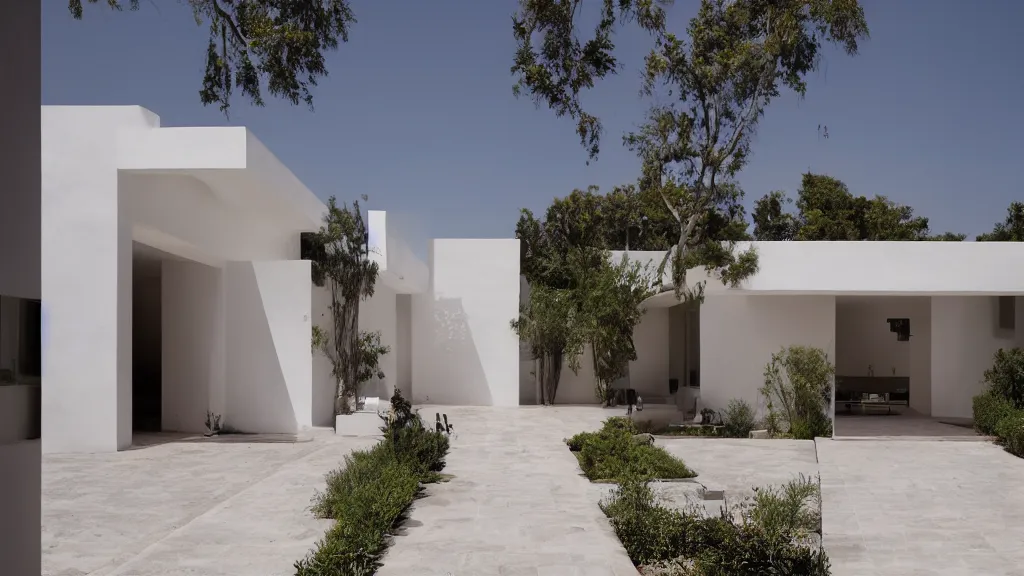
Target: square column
{"type": "Point", "coordinates": [86, 285]}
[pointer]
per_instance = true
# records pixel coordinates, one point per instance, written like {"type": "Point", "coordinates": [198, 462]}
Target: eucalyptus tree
{"type": "Point", "coordinates": [1009, 230]}
{"type": "Point", "coordinates": [827, 210]}
{"type": "Point", "coordinates": [734, 61]}
{"type": "Point", "coordinates": [340, 260]}
{"type": "Point", "coordinates": [252, 43]}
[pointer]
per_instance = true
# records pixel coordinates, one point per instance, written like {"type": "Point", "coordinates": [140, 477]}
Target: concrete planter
{"type": "Point", "coordinates": [363, 423]}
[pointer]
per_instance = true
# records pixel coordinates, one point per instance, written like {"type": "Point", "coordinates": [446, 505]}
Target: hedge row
{"type": "Point", "coordinates": [371, 493]}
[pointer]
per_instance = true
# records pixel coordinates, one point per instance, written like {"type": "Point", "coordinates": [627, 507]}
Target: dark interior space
{"type": "Point", "coordinates": [146, 340]}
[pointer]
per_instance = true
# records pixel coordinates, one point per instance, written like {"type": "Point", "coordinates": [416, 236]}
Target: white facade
{"type": "Point", "coordinates": [837, 296]}
{"type": "Point", "coordinates": [173, 286]}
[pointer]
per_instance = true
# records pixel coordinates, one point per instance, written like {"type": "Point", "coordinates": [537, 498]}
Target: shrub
{"type": "Point", "coordinates": [738, 420]}
{"type": "Point", "coordinates": [989, 409]}
{"type": "Point", "coordinates": [1010, 431]}
{"type": "Point", "coordinates": [650, 533]}
{"type": "Point", "coordinates": [1006, 376]}
{"type": "Point", "coordinates": [371, 493]}
{"type": "Point", "coordinates": [798, 393]}
{"type": "Point", "coordinates": [764, 539]}
{"type": "Point", "coordinates": [612, 453]}
{"type": "Point", "coordinates": [365, 498]}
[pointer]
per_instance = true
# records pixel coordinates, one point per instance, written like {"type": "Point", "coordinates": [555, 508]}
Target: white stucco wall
{"type": "Point", "coordinates": [964, 337]}
{"type": "Point", "coordinates": [379, 313]}
{"type": "Point", "coordinates": [86, 281]}
{"type": "Point", "coordinates": [268, 354]}
{"type": "Point", "coordinates": [323, 381]}
{"type": "Point", "coordinates": [403, 344]}
{"type": "Point", "coordinates": [463, 349]}
{"type": "Point", "coordinates": [863, 337]}
{"type": "Point", "coordinates": [896, 268]}
{"type": "Point", "coordinates": [739, 334]}
{"type": "Point", "coordinates": [193, 364]}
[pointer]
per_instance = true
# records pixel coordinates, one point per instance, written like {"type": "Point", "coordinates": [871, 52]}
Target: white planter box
{"type": "Point", "coordinates": [363, 424]}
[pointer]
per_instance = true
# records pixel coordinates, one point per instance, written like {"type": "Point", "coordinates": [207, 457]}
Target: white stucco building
{"type": "Point", "coordinates": [173, 286]}
{"type": "Point", "coordinates": [964, 301]}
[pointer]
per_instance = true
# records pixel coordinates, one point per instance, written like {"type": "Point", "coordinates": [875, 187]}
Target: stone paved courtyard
{"type": "Point", "coordinates": [517, 504]}
{"type": "Point", "coordinates": [185, 508]}
{"type": "Point", "coordinates": [904, 508]}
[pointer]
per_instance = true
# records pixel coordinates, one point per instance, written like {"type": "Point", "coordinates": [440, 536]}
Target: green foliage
{"type": "Point", "coordinates": [369, 352]}
{"type": "Point", "coordinates": [281, 45]}
{"type": "Point", "coordinates": [738, 419]}
{"type": "Point", "coordinates": [1009, 230]}
{"type": "Point", "coordinates": [771, 220]}
{"type": "Point", "coordinates": [737, 58]}
{"type": "Point", "coordinates": [371, 493]}
{"type": "Point", "coordinates": [425, 449]}
{"type": "Point", "coordinates": [765, 537]}
{"type": "Point", "coordinates": [1010, 431]}
{"type": "Point", "coordinates": [578, 295]}
{"type": "Point", "coordinates": [798, 393]}
{"type": "Point", "coordinates": [648, 531]}
{"type": "Point", "coordinates": [827, 210]}
{"type": "Point", "coordinates": [989, 409]}
{"type": "Point", "coordinates": [787, 512]}
{"type": "Point", "coordinates": [366, 498]}
{"type": "Point", "coordinates": [554, 67]}
{"type": "Point", "coordinates": [611, 454]}
{"type": "Point", "coordinates": [999, 410]}
{"type": "Point", "coordinates": [340, 260]}
{"type": "Point", "coordinates": [1006, 376]}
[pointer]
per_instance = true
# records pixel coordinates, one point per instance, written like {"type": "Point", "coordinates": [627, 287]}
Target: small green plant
{"type": "Point", "coordinates": [1006, 376]}
{"type": "Point", "coordinates": [738, 419]}
{"type": "Point", "coordinates": [212, 423]}
{"type": "Point", "coordinates": [612, 453]}
{"type": "Point", "coordinates": [798, 393]}
{"type": "Point", "coordinates": [765, 535]}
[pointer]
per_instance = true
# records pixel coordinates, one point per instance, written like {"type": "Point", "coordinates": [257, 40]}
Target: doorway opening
{"type": "Point", "coordinates": [147, 331]}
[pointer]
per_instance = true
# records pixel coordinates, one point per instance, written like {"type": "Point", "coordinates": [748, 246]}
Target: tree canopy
{"type": "Point", "coordinates": [1009, 230]}
{"type": "Point", "coordinates": [827, 210]}
{"type": "Point", "coordinates": [578, 295]}
{"type": "Point", "coordinates": [261, 46]}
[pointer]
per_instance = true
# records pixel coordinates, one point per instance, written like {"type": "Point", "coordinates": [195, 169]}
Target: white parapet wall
{"type": "Point", "coordinates": [464, 351]}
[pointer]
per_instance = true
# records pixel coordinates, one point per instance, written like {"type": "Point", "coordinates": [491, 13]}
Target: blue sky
{"type": "Point", "coordinates": [418, 111]}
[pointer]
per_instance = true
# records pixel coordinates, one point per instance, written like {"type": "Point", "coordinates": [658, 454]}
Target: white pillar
{"type": "Point", "coordinates": [19, 268]}
{"type": "Point", "coordinates": [86, 282]}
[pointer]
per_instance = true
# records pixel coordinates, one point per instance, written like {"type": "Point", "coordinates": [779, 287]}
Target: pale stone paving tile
{"type": "Point", "coordinates": [517, 504]}
{"type": "Point", "coordinates": [922, 507]}
{"type": "Point", "coordinates": [185, 508]}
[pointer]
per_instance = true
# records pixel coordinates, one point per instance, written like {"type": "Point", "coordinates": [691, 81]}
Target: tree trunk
{"type": "Point", "coordinates": [539, 380]}
{"type": "Point", "coordinates": [552, 371]}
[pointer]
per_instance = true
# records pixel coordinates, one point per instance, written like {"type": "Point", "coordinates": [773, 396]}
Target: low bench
{"type": "Point", "coordinates": [872, 392]}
